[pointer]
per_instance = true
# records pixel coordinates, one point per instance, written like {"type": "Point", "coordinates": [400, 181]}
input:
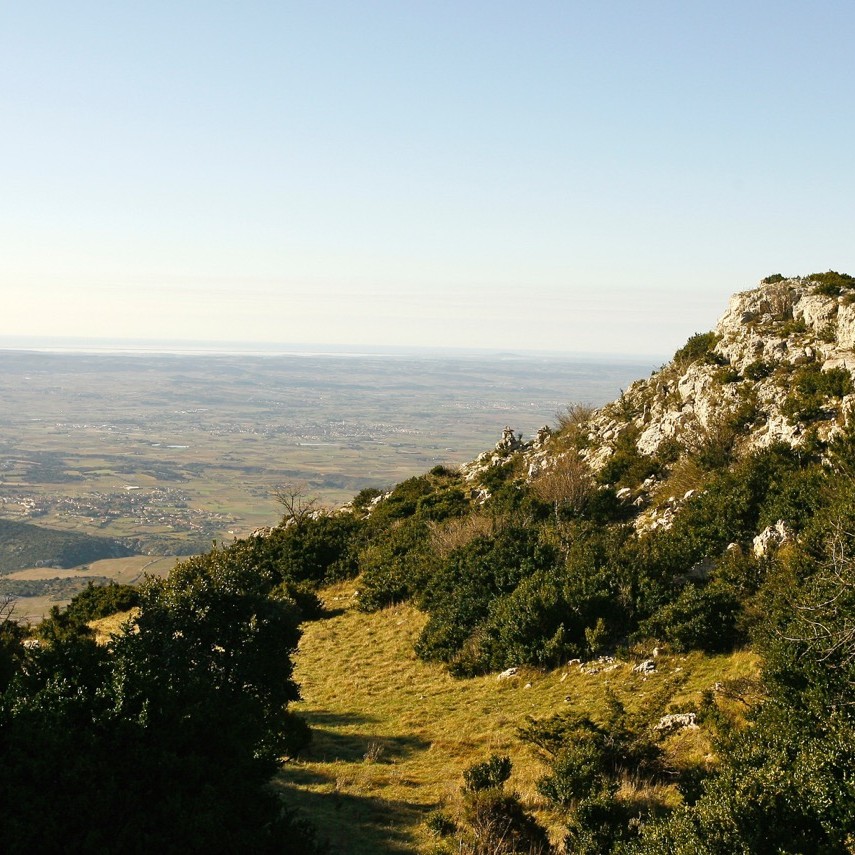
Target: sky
{"type": "Point", "coordinates": [587, 177]}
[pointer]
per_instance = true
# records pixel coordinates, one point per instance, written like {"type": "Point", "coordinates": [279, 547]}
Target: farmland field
{"type": "Point", "coordinates": [167, 453]}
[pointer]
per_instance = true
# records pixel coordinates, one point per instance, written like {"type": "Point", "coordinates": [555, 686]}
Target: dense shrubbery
{"type": "Point", "coordinates": [811, 387]}
{"type": "Point", "coordinates": [493, 821]}
{"type": "Point", "coordinates": [832, 283]}
{"type": "Point", "coordinates": [166, 737]}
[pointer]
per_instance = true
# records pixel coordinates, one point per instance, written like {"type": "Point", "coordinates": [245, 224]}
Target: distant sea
{"type": "Point", "coordinates": [130, 347]}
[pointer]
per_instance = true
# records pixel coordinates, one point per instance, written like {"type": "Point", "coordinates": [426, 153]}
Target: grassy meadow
{"type": "Point", "coordinates": [393, 734]}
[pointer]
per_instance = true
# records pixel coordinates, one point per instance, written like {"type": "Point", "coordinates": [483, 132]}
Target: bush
{"type": "Point", "coordinates": [395, 565]}
{"type": "Point", "coordinates": [811, 387]}
{"type": "Point", "coordinates": [832, 283]}
{"type": "Point", "coordinates": [459, 595]}
{"type": "Point", "coordinates": [494, 822]}
{"type": "Point", "coordinates": [758, 369]}
{"type": "Point", "coordinates": [491, 774]}
{"type": "Point", "coordinates": [701, 618]}
{"type": "Point", "coordinates": [100, 601]}
{"type": "Point", "coordinates": [699, 347]}
{"type": "Point", "coordinates": [628, 466]}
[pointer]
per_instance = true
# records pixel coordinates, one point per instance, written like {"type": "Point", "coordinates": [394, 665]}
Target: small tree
{"type": "Point", "coordinates": [296, 503]}
{"type": "Point", "coordinates": [567, 486]}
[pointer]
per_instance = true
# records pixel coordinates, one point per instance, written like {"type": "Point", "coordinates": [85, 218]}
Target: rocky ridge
{"type": "Point", "coordinates": [777, 368]}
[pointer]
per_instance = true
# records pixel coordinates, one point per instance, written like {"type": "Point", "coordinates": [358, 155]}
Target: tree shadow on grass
{"type": "Point", "coordinates": [350, 823]}
{"type": "Point", "coordinates": [330, 745]}
{"type": "Point", "coordinates": [331, 790]}
{"type": "Point", "coordinates": [328, 612]}
{"type": "Point", "coordinates": [325, 718]}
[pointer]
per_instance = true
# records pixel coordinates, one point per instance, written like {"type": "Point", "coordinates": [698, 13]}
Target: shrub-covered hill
{"type": "Point", "coordinates": [710, 508]}
{"type": "Point", "coordinates": [26, 545]}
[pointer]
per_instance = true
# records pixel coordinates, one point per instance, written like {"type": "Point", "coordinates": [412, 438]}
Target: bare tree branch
{"type": "Point", "coordinates": [298, 506]}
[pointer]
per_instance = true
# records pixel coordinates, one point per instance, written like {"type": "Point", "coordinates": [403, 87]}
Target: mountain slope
{"type": "Point", "coordinates": [26, 545]}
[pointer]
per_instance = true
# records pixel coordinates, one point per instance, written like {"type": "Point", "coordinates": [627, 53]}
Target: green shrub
{"type": "Point", "coordinates": [701, 618]}
{"type": "Point", "coordinates": [320, 549]}
{"type": "Point", "coordinates": [771, 280]}
{"type": "Point", "coordinates": [699, 347]}
{"type": "Point", "coordinates": [832, 283]}
{"type": "Point", "coordinates": [792, 326]}
{"type": "Point", "coordinates": [627, 466]}
{"type": "Point", "coordinates": [99, 601]}
{"type": "Point", "coordinates": [811, 388]}
{"type": "Point", "coordinates": [758, 369]}
{"type": "Point", "coordinates": [460, 593]}
{"type": "Point", "coordinates": [395, 565]}
{"type": "Point", "coordinates": [363, 499]}
{"type": "Point", "coordinates": [491, 774]}
{"type": "Point", "coordinates": [727, 374]}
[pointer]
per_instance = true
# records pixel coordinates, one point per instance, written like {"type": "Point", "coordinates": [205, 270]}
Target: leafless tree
{"type": "Point", "coordinates": [568, 485]}
{"type": "Point", "coordinates": [297, 504]}
{"type": "Point", "coordinates": [825, 620]}
{"type": "Point", "coordinates": [573, 415]}
{"type": "Point", "coordinates": [7, 607]}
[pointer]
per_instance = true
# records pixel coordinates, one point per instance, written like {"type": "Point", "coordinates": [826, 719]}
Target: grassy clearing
{"type": "Point", "coordinates": [394, 734]}
{"type": "Point", "coordinates": [111, 625]}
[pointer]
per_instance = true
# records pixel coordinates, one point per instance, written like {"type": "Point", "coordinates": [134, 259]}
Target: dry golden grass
{"type": "Point", "coordinates": [392, 734]}
{"type": "Point", "coordinates": [110, 625]}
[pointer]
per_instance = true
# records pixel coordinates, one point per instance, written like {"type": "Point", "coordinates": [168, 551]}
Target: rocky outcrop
{"type": "Point", "coordinates": [748, 384]}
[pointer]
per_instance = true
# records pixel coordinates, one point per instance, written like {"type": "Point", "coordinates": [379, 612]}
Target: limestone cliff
{"type": "Point", "coordinates": [777, 368]}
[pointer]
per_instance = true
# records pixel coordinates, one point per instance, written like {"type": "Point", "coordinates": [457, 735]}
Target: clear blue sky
{"type": "Point", "coordinates": [580, 176]}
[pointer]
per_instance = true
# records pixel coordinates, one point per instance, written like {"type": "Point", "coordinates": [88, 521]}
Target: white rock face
{"type": "Point", "coordinates": [741, 391]}
{"type": "Point", "coordinates": [770, 539]}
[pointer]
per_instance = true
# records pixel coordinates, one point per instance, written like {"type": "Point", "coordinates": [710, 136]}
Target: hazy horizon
{"type": "Point", "coordinates": [130, 346]}
{"type": "Point", "coordinates": [568, 177]}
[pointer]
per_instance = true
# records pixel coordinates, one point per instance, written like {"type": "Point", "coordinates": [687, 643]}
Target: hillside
{"type": "Point", "coordinates": [27, 545]}
{"type": "Point", "coordinates": [630, 635]}
{"type": "Point", "coordinates": [703, 512]}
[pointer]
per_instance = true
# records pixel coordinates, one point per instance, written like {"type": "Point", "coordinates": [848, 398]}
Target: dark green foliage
{"type": "Point", "coordinates": [491, 773]}
{"type": "Point", "coordinates": [811, 387]}
{"type": "Point", "coordinates": [715, 447]}
{"type": "Point", "coordinates": [702, 617]}
{"type": "Point", "coordinates": [587, 762]}
{"type": "Point", "coordinates": [832, 283]}
{"type": "Point", "coordinates": [442, 505]}
{"type": "Point", "coordinates": [627, 466]}
{"type": "Point", "coordinates": [11, 644]}
{"type": "Point", "coordinates": [758, 369]}
{"type": "Point", "coordinates": [699, 347]}
{"type": "Point", "coordinates": [166, 738]}
{"type": "Point", "coordinates": [727, 374]}
{"type": "Point", "coordinates": [440, 824]}
{"type": "Point", "coordinates": [459, 594]}
{"type": "Point", "coordinates": [363, 499]}
{"type": "Point", "coordinates": [403, 500]}
{"type": "Point", "coordinates": [586, 756]}
{"type": "Point", "coordinates": [494, 822]}
{"type": "Point", "coordinates": [26, 545]}
{"type": "Point", "coordinates": [792, 326]}
{"type": "Point", "coordinates": [771, 280]}
{"type": "Point", "coordinates": [533, 625]}
{"type": "Point", "coordinates": [320, 549]}
{"type": "Point", "coordinates": [395, 566]}
{"type": "Point", "coordinates": [99, 601]}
